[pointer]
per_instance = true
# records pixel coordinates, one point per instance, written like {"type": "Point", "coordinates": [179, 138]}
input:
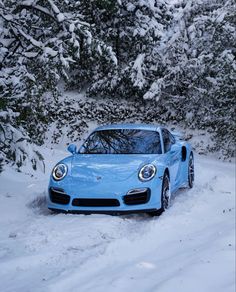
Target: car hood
{"type": "Point", "coordinates": [108, 167]}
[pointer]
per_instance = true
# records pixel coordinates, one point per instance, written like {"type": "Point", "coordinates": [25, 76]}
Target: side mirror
{"type": "Point", "coordinates": [72, 148]}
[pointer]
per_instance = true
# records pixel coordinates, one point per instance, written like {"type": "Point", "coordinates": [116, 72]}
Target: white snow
{"type": "Point", "coordinates": [50, 51]}
{"type": "Point", "coordinates": [31, 39]}
{"type": "Point", "coordinates": [137, 75]}
{"type": "Point", "coordinates": [60, 17]}
{"type": "Point", "coordinates": [191, 247]}
{"type": "Point", "coordinates": [155, 90]}
{"type": "Point", "coordinates": [72, 27]}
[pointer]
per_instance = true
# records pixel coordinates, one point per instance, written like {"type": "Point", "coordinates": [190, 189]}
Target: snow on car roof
{"type": "Point", "coordinates": [129, 126]}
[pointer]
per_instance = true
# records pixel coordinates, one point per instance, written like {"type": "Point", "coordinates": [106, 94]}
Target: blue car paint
{"type": "Point", "coordinates": [113, 175]}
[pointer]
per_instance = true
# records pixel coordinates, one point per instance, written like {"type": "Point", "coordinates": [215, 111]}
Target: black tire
{"type": "Point", "coordinates": [165, 197]}
{"type": "Point", "coordinates": [190, 171]}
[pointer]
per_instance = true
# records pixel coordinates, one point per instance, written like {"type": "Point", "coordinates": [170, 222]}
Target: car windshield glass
{"type": "Point", "coordinates": [122, 141]}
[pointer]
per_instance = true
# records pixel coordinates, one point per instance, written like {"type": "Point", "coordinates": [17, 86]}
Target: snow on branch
{"type": "Point", "coordinates": [33, 6]}
{"type": "Point", "coordinates": [137, 76]}
{"type": "Point", "coordinates": [65, 41]}
{"type": "Point", "coordinates": [60, 16]}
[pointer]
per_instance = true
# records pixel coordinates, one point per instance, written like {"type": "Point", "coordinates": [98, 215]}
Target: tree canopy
{"type": "Point", "coordinates": [178, 55]}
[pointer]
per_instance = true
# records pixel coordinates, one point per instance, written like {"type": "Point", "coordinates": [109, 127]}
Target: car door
{"type": "Point", "coordinates": [172, 156]}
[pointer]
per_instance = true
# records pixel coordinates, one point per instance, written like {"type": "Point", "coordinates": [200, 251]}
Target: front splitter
{"type": "Point", "coordinates": [114, 213]}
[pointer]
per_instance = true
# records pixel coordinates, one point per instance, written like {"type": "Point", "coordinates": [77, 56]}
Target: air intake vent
{"type": "Point", "coordinates": [58, 196]}
{"type": "Point", "coordinates": [95, 202]}
{"type": "Point", "coordinates": [137, 197]}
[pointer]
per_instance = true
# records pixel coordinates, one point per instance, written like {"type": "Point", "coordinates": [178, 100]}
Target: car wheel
{"type": "Point", "coordinates": [165, 196]}
{"type": "Point", "coordinates": [190, 171]}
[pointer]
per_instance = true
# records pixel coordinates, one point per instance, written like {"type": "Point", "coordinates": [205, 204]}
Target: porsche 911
{"type": "Point", "coordinates": [122, 168]}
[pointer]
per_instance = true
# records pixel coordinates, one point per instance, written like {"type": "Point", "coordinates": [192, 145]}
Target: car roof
{"type": "Point", "coordinates": [149, 127]}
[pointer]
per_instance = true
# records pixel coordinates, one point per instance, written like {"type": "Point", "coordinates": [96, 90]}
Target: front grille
{"type": "Point", "coordinates": [96, 202]}
{"type": "Point", "coordinates": [58, 196]}
{"type": "Point", "coordinates": [137, 197]}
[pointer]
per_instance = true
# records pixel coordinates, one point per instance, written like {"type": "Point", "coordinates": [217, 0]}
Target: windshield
{"type": "Point", "coordinates": [122, 141]}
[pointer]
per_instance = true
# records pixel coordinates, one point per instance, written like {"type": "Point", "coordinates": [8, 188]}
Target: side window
{"type": "Point", "coordinates": [172, 139]}
{"type": "Point", "coordinates": [168, 140]}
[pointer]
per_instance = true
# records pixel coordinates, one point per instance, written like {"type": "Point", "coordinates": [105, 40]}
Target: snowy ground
{"type": "Point", "coordinates": [189, 248]}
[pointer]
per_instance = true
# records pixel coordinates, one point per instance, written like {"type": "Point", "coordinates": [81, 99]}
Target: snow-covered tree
{"type": "Point", "coordinates": [198, 52]}
{"type": "Point", "coordinates": [132, 28]}
{"type": "Point", "coordinates": [15, 144]}
{"type": "Point", "coordinates": [41, 43]}
{"type": "Point", "coordinates": [176, 58]}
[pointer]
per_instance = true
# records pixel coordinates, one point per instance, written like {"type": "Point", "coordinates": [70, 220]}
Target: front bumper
{"type": "Point", "coordinates": [144, 197]}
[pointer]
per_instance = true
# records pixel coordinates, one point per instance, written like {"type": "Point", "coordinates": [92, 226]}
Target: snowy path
{"type": "Point", "coordinates": [189, 248]}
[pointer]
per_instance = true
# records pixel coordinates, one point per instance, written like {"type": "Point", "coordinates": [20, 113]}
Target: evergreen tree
{"type": "Point", "coordinates": [175, 57]}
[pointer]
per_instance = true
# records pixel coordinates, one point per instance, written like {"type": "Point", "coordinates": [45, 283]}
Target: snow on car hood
{"type": "Point", "coordinates": [108, 167]}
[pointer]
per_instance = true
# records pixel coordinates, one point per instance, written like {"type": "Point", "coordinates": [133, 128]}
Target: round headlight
{"type": "Point", "coordinates": [59, 171]}
{"type": "Point", "coordinates": [147, 172]}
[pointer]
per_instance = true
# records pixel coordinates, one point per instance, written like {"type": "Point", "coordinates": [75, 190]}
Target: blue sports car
{"type": "Point", "coordinates": [122, 169]}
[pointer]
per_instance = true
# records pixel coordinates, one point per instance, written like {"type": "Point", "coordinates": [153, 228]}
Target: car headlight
{"type": "Point", "coordinates": [59, 171]}
{"type": "Point", "coordinates": [147, 172]}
